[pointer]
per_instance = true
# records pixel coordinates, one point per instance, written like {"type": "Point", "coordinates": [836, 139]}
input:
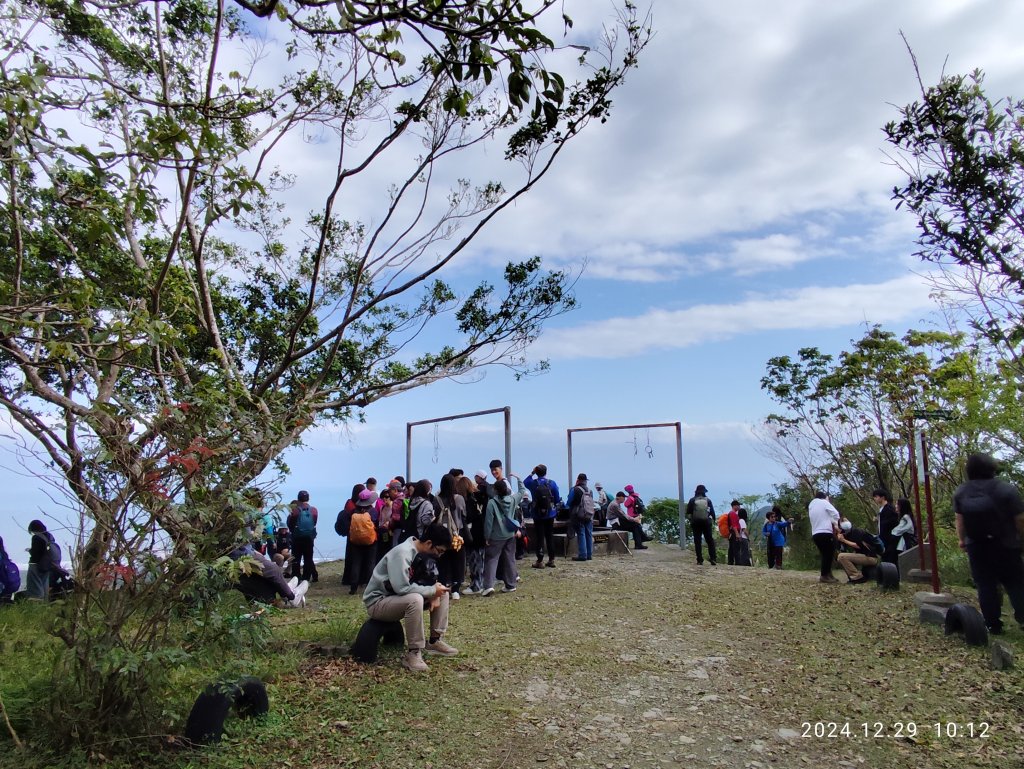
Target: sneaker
{"type": "Point", "coordinates": [413, 661]}
{"type": "Point", "coordinates": [577, 558]}
{"type": "Point", "coordinates": [641, 547]}
{"type": "Point", "coordinates": [829, 578]}
{"type": "Point", "coordinates": [539, 565]}
{"type": "Point", "coordinates": [859, 581]}
{"type": "Point", "coordinates": [469, 591]}
{"type": "Point", "coordinates": [518, 578]}
{"type": "Point", "coordinates": [293, 583]}
{"type": "Point", "coordinates": [455, 595]}
{"type": "Point", "coordinates": [550, 564]}
{"type": "Point", "coordinates": [509, 589]}
{"type": "Point", "coordinates": [487, 592]}
{"type": "Point", "coordinates": [299, 600]}
{"type": "Point", "coordinates": [440, 647]}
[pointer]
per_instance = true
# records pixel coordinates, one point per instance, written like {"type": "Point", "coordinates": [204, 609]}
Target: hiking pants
{"type": "Point", "coordinates": [703, 529]}
{"type": "Point", "coordinates": [409, 609]}
{"type": "Point", "coordinates": [503, 550]}
{"type": "Point", "coordinates": [302, 558]}
{"type": "Point", "coordinates": [826, 545]}
{"type": "Point", "coordinates": [734, 548]}
{"type": "Point", "coordinates": [544, 533]}
{"type": "Point", "coordinates": [992, 565]}
{"type": "Point", "coordinates": [853, 562]}
{"type": "Point", "coordinates": [775, 555]}
{"type": "Point", "coordinates": [584, 538]}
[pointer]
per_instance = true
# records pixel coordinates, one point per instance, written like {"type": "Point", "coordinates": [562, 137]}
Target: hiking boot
{"type": "Point", "coordinates": [440, 647]}
{"type": "Point", "coordinates": [551, 563]}
{"type": "Point", "coordinates": [487, 592]}
{"type": "Point", "coordinates": [299, 598]}
{"type": "Point", "coordinates": [539, 565]}
{"type": "Point", "coordinates": [829, 578]}
{"type": "Point", "coordinates": [413, 662]}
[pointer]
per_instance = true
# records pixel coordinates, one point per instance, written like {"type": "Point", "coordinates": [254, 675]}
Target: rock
{"type": "Point", "coordinates": [1001, 655]}
{"type": "Point", "coordinates": [684, 740]}
{"type": "Point", "coordinates": [932, 614]}
{"type": "Point", "coordinates": [698, 673]}
{"type": "Point", "coordinates": [652, 714]}
{"type": "Point", "coordinates": [789, 734]}
{"type": "Point", "coordinates": [941, 599]}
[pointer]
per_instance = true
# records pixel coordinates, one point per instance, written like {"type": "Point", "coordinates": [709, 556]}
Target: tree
{"type": "Point", "coordinates": [166, 331]}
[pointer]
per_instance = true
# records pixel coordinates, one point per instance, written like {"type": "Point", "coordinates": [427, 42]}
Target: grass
{"type": "Point", "coordinates": [643, 660]}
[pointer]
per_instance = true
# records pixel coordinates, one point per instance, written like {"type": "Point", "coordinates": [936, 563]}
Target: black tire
{"type": "Point", "coordinates": [965, 619]}
{"type": "Point", "coordinates": [205, 723]}
{"type": "Point", "coordinates": [364, 648]}
{"type": "Point", "coordinates": [394, 635]}
{"type": "Point", "coordinates": [252, 700]}
{"type": "Point", "coordinates": [870, 572]}
{"type": "Point", "coordinates": [888, 576]}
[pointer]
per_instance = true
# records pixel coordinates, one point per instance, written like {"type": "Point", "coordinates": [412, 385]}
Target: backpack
{"type": "Point", "coordinates": [51, 560]}
{"type": "Point", "coordinates": [344, 520]}
{"type": "Point", "coordinates": [701, 509]}
{"type": "Point", "coordinates": [584, 507]}
{"type": "Point", "coordinates": [305, 526]}
{"type": "Point", "coordinates": [543, 499]}
{"type": "Point", "coordinates": [875, 543]}
{"type": "Point", "coordinates": [639, 508]}
{"type": "Point", "coordinates": [10, 577]}
{"type": "Point", "coordinates": [361, 529]}
{"type": "Point", "coordinates": [723, 525]}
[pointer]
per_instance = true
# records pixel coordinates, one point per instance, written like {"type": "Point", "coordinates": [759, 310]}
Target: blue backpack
{"type": "Point", "coordinates": [305, 526]}
{"type": "Point", "coordinates": [10, 576]}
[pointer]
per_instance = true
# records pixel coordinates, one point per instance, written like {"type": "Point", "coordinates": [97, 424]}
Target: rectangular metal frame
{"type": "Point", "coordinates": [506, 410]}
{"type": "Point", "coordinates": [679, 462]}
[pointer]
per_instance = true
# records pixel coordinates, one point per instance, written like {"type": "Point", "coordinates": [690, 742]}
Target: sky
{"type": "Point", "coordinates": [735, 206]}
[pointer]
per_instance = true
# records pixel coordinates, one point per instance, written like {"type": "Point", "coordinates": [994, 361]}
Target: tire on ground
{"type": "Point", "coordinates": [364, 648]}
{"type": "Point", "coordinates": [888, 576]}
{"type": "Point", "coordinates": [252, 700]}
{"type": "Point", "coordinates": [205, 723]}
{"type": "Point", "coordinates": [965, 619]}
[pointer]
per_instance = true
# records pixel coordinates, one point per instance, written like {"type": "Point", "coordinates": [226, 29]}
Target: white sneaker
{"type": "Point", "coordinates": [508, 589]}
{"type": "Point", "coordinates": [293, 583]}
{"type": "Point", "coordinates": [468, 591]}
{"type": "Point", "coordinates": [456, 596]}
{"type": "Point", "coordinates": [300, 595]}
{"type": "Point", "coordinates": [518, 578]}
{"type": "Point", "coordinates": [487, 592]}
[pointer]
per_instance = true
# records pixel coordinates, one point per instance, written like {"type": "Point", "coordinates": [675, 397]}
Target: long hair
{"type": "Point", "coordinates": [356, 491]}
{"type": "Point", "coordinates": [446, 493]}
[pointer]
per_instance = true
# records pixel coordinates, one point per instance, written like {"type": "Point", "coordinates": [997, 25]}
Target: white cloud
{"type": "Point", "coordinates": [804, 308]}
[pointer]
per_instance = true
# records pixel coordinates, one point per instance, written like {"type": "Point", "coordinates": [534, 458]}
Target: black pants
{"type": "Point", "coordinates": [992, 566]}
{"type": "Point", "coordinates": [635, 528]}
{"type": "Point", "coordinates": [452, 568]}
{"type": "Point", "coordinates": [775, 556]}
{"type": "Point", "coordinates": [826, 545]}
{"type": "Point", "coordinates": [703, 529]}
{"type": "Point", "coordinates": [302, 558]}
{"type": "Point", "coordinates": [734, 549]}
{"type": "Point", "coordinates": [544, 533]}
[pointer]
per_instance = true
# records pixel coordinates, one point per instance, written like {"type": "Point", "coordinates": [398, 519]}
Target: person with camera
{"type": "Point", "coordinates": [391, 595]}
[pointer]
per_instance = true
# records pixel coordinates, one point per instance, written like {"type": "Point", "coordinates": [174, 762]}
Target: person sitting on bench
{"type": "Point", "coordinates": [391, 595]}
{"type": "Point", "coordinates": [618, 519]}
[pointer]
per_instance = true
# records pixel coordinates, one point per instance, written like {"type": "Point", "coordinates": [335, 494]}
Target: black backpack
{"type": "Point", "coordinates": [639, 508]}
{"type": "Point", "coordinates": [543, 499]}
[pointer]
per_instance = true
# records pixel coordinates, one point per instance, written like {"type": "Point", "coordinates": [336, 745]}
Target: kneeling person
{"type": "Point", "coordinates": [862, 551]}
{"type": "Point", "coordinates": [391, 595]}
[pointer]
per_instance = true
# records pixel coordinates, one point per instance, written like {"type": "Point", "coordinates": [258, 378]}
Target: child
{"type": "Point", "coordinates": [775, 535]}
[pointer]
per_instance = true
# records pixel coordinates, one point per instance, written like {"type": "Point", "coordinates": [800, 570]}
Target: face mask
{"type": "Point", "coordinates": [846, 525]}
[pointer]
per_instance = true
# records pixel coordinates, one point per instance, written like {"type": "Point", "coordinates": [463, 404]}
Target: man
{"type": "Point", "coordinates": [887, 520]}
{"type": "Point", "coordinates": [700, 513]}
{"type": "Point", "coordinates": [391, 596]}
{"type": "Point", "coordinates": [581, 507]}
{"type": "Point", "coordinates": [302, 524]}
{"type": "Point", "coordinates": [860, 551]}
{"type": "Point", "coordinates": [545, 506]}
{"type": "Point", "coordinates": [619, 520]}
{"type": "Point", "coordinates": [601, 503]}
{"type": "Point", "coordinates": [371, 486]}
{"type": "Point", "coordinates": [734, 531]}
{"type": "Point", "coordinates": [40, 562]}
{"type": "Point", "coordinates": [824, 520]}
{"type": "Point", "coordinates": [990, 525]}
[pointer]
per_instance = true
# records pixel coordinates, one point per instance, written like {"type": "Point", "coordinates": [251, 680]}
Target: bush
{"type": "Point", "coordinates": [662, 518]}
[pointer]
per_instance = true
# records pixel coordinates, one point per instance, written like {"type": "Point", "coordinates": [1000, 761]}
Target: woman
{"type": "Point", "coordinates": [905, 528]}
{"type": "Point", "coordinates": [500, 539]}
{"type": "Point", "coordinates": [743, 552]}
{"type": "Point", "coordinates": [476, 502]}
{"type": "Point", "coordinates": [342, 528]}
{"type": "Point", "coordinates": [423, 509]}
{"type": "Point", "coordinates": [452, 564]}
{"type": "Point", "coordinates": [361, 547]}
{"type": "Point", "coordinates": [40, 562]}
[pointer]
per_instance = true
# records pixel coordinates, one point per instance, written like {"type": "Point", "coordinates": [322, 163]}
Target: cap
{"type": "Point", "coordinates": [481, 473]}
{"type": "Point", "coordinates": [397, 485]}
{"type": "Point", "coordinates": [581, 477]}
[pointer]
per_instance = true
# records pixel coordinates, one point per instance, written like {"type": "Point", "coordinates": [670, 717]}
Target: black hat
{"type": "Point", "coordinates": [303, 496]}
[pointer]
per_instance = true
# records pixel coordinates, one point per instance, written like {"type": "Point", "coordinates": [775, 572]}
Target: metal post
{"type": "Point", "coordinates": [568, 443]}
{"type": "Point", "coordinates": [679, 482]}
{"type": "Point", "coordinates": [931, 517]}
{"type": "Point", "coordinates": [915, 479]}
{"type": "Point", "coordinates": [408, 453]}
{"type": "Point", "coordinates": [508, 434]}
{"type": "Point", "coordinates": [508, 440]}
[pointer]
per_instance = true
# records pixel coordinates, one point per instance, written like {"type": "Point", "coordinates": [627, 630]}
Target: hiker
{"type": "Point", "coordinates": [904, 531]}
{"type": "Point", "coordinates": [371, 486]}
{"type": "Point", "coordinates": [860, 551]}
{"type": "Point", "coordinates": [887, 520]}
{"type": "Point", "coordinates": [733, 521]}
{"type": "Point", "coordinates": [423, 510]}
{"type": "Point", "coordinates": [391, 596]}
{"type": "Point", "coordinates": [390, 509]}
{"type": "Point", "coordinates": [500, 535]}
{"type": "Point", "coordinates": [824, 520]}
{"type": "Point", "coordinates": [774, 531]}
{"type": "Point", "coordinates": [620, 521]}
{"type": "Point", "coordinates": [990, 526]}
{"type": "Point", "coordinates": [10, 576]}
{"type": "Point", "coordinates": [283, 546]}
{"type": "Point", "coordinates": [743, 542]}
{"type": "Point", "coordinates": [361, 548]}
{"type": "Point", "coordinates": [452, 564]}
{"type": "Point", "coordinates": [267, 581]}
{"type": "Point", "coordinates": [701, 512]}
{"type": "Point", "coordinates": [545, 506]}
{"type": "Point", "coordinates": [601, 502]}
{"type": "Point", "coordinates": [302, 524]}
{"type": "Point", "coordinates": [581, 511]}
{"type": "Point", "coordinates": [43, 558]}
{"type": "Point", "coordinates": [476, 502]}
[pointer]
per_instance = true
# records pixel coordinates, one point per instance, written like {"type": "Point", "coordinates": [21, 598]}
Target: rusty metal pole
{"type": "Point", "coordinates": [917, 495]}
{"type": "Point", "coordinates": [932, 548]}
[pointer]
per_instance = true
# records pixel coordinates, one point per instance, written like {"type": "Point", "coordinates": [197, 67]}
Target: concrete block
{"type": "Point", "coordinates": [932, 614]}
{"type": "Point", "coordinates": [1001, 655]}
{"type": "Point", "coordinates": [911, 559]}
{"type": "Point", "coordinates": [919, 575]}
{"type": "Point", "coordinates": [939, 599]}
{"type": "Point", "coordinates": [617, 543]}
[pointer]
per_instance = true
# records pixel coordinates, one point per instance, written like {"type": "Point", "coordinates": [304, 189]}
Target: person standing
{"type": "Point", "coordinates": [302, 524]}
{"type": "Point", "coordinates": [41, 557]}
{"type": "Point", "coordinates": [990, 526]}
{"type": "Point", "coordinates": [701, 512]}
{"type": "Point", "coordinates": [733, 518]}
{"type": "Point", "coordinates": [545, 506]}
{"type": "Point", "coordinates": [601, 502]}
{"type": "Point", "coordinates": [500, 538]}
{"type": "Point", "coordinates": [476, 502]}
{"type": "Point", "coordinates": [774, 532]}
{"type": "Point", "coordinates": [452, 564]}
{"type": "Point", "coordinates": [361, 548]}
{"type": "Point", "coordinates": [887, 520]}
{"type": "Point", "coordinates": [904, 531]}
{"type": "Point", "coordinates": [824, 520]}
{"type": "Point", "coordinates": [581, 508]}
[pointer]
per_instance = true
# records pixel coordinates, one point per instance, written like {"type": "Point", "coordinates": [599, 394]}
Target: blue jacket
{"type": "Point", "coordinates": [776, 532]}
{"type": "Point", "coordinates": [531, 483]}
